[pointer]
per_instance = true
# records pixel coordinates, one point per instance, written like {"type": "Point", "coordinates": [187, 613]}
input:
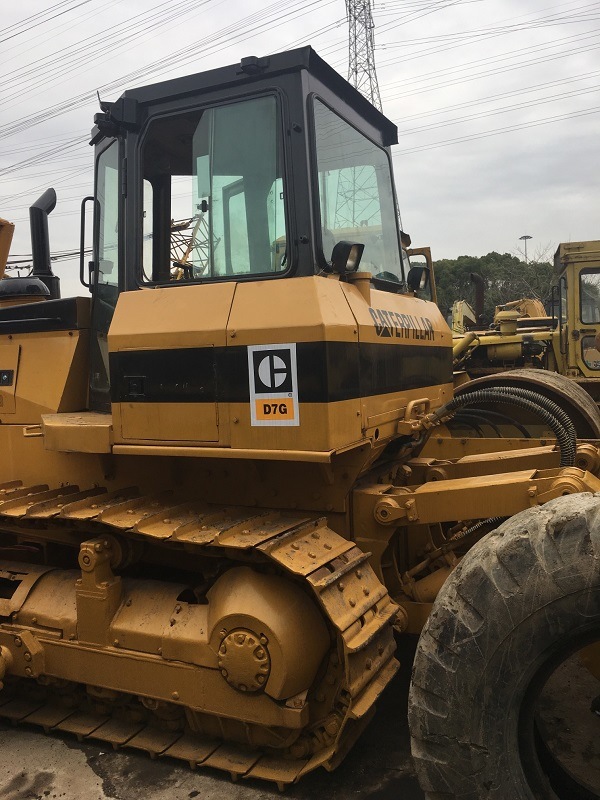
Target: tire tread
{"type": "Point", "coordinates": [503, 581]}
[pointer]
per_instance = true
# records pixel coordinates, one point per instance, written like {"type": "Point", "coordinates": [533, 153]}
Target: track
{"type": "Point", "coordinates": [332, 569]}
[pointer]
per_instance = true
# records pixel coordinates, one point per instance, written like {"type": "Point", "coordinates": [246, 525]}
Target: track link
{"type": "Point", "coordinates": [356, 605]}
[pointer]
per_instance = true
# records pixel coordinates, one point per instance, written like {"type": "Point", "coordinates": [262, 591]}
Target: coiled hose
{"type": "Point", "coordinates": [539, 405]}
{"type": "Point", "coordinates": [502, 419]}
{"type": "Point", "coordinates": [545, 402]}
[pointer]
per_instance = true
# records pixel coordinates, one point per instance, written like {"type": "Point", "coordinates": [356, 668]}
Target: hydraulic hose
{"type": "Point", "coordinates": [522, 398]}
{"type": "Point", "coordinates": [467, 418]}
{"type": "Point", "coordinates": [541, 400]}
{"type": "Point", "coordinates": [545, 402]}
{"type": "Point", "coordinates": [502, 419]}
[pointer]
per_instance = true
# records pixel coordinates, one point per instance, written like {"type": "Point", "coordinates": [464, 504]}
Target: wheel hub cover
{"type": "Point", "coordinates": [244, 660]}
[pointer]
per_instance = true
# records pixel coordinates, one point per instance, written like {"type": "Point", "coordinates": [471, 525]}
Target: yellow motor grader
{"type": "Point", "coordinates": [225, 480]}
{"type": "Point", "coordinates": [559, 351]}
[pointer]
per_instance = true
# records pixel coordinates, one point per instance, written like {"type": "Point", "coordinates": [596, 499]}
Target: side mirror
{"type": "Point", "coordinates": [417, 279]}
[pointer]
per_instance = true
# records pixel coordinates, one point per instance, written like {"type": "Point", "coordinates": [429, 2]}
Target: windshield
{"type": "Point", "coordinates": [213, 194]}
{"type": "Point", "coordinates": [356, 195]}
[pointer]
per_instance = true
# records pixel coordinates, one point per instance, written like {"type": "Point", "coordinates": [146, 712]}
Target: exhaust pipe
{"type": "Point", "coordinates": [40, 242]}
{"type": "Point", "coordinates": [479, 294]}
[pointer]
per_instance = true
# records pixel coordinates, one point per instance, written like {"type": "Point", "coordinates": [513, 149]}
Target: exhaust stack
{"type": "Point", "coordinates": [40, 242]}
{"type": "Point", "coordinates": [479, 284]}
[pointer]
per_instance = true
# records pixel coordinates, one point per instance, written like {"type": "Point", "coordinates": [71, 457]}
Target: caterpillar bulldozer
{"type": "Point", "coordinates": [225, 478]}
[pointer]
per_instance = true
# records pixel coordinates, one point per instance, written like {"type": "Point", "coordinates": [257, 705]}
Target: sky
{"type": "Point", "coordinates": [497, 104]}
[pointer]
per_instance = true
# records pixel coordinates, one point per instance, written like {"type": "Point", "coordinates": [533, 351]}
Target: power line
{"type": "Point", "coordinates": [497, 131]}
{"type": "Point", "coordinates": [41, 22]}
{"type": "Point", "coordinates": [502, 110]}
{"type": "Point", "coordinates": [478, 101]}
{"type": "Point", "coordinates": [211, 44]}
{"type": "Point", "coordinates": [21, 261]}
{"type": "Point", "coordinates": [446, 78]}
{"type": "Point", "coordinates": [493, 72]}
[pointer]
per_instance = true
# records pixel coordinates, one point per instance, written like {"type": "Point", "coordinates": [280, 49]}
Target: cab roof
{"type": "Point", "coordinates": [253, 69]}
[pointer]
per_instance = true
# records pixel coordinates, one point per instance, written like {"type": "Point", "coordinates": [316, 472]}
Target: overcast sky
{"type": "Point", "coordinates": [497, 103]}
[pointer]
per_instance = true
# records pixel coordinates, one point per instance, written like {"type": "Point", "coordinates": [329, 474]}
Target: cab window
{"type": "Point", "coordinates": [356, 195]}
{"type": "Point", "coordinates": [590, 352]}
{"type": "Point", "coordinates": [589, 296]}
{"type": "Point", "coordinates": [214, 194]}
{"type": "Point", "coordinates": [107, 194]}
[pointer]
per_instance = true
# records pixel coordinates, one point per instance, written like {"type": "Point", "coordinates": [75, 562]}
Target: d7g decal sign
{"type": "Point", "coordinates": [273, 377]}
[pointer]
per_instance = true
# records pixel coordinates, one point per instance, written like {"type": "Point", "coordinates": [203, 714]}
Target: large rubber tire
{"type": "Point", "coordinates": [522, 600]}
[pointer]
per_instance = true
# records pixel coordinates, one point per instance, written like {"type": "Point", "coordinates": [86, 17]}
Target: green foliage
{"type": "Point", "coordinates": [505, 277]}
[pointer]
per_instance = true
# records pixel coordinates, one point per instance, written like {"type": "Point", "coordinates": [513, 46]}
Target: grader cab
{"type": "Point", "coordinates": [226, 481]}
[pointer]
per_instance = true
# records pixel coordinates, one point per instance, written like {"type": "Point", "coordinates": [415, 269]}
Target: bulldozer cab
{"type": "Point", "coordinates": [578, 295]}
{"type": "Point", "coordinates": [252, 172]}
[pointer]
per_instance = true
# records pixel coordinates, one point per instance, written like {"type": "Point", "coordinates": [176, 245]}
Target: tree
{"type": "Point", "coordinates": [505, 278]}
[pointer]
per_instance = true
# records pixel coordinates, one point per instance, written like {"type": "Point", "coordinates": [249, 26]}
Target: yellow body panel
{"type": "Point", "coordinates": [180, 316]}
{"type": "Point", "coordinates": [334, 413]}
{"type": "Point", "coordinates": [50, 375]}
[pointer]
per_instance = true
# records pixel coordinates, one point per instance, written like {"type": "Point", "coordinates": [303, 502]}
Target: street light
{"type": "Point", "coordinates": [524, 239]}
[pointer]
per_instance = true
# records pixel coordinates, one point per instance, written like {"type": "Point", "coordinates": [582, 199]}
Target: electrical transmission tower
{"type": "Point", "coordinates": [361, 50]}
{"type": "Point", "coordinates": [357, 202]}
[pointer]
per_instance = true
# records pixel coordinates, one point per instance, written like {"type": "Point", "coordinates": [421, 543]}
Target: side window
{"type": "Point", "coordinates": [589, 296]}
{"type": "Point", "coordinates": [107, 194]}
{"type": "Point", "coordinates": [562, 313]}
{"type": "Point", "coordinates": [590, 351]}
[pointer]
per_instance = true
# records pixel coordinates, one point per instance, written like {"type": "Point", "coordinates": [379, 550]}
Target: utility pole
{"type": "Point", "coordinates": [525, 239]}
{"type": "Point", "coordinates": [361, 50]}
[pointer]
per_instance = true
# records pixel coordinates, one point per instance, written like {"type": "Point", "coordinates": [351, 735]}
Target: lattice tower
{"type": "Point", "coordinates": [361, 50]}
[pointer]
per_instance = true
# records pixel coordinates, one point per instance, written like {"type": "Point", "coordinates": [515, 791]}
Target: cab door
{"type": "Point", "coordinates": [105, 273]}
{"type": "Point", "coordinates": [421, 257]}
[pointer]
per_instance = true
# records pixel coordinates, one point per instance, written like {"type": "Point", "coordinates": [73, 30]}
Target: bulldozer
{"type": "Point", "coordinates": [226, 480]}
